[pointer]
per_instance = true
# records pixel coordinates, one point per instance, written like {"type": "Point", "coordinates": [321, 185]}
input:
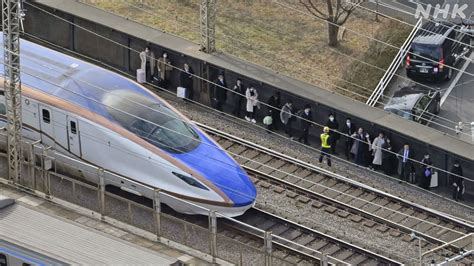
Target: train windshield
{"type": "Point", "coordinates": [165, 130]}
{"type": "Point", "coordinates": [152, 121]}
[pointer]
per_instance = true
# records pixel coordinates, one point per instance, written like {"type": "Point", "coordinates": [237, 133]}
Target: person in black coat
{"type": "Point", "coordinates": [426, 172]}
{"type": "Point", "coordinates": [219, 93]}
{"type": "Point", "coordinates": [387, 157]}
{"type": "Point", "coordinates": [458, 181]}
{"type": "Point", "coordinates": [334, 127]}
{"type": "Point", "coordinates": [186, 80]}
{"type": "Point", "coordinates": [306, 123]}
{"type": "Point", "coordinates": [237, 96]}
{"type": "Point", "coordinates": [360, 148]}
{"type": "Point", "coordinates": [275, 104]}
{"type": "Point", "coordinates": [349, 128]}
{"type": "Point", "coordinates": [406, 168]}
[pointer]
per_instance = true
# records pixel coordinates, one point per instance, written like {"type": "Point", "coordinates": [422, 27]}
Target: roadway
{"type": "Point", "coordinates": [458, 94]}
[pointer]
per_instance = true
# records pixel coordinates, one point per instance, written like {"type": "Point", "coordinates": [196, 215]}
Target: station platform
{"type": "Point", "coordinates": [52, 231]}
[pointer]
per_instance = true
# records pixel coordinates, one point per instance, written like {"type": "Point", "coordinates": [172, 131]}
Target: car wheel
{"type": "Point", "coordinates": [450, 74]}
{"type": "Point", "coordinates": [437, 108]}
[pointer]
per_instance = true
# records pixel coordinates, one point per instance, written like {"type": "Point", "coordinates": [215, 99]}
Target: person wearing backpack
{"type": "Point", "coordinates": [287, 117]}
{"type": "Point", "coordinates": [306, 118]}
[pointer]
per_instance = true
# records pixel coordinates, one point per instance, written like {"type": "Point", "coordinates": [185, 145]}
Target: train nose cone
{"type": "Point", "coordinates": [240, 188]}
{"type": "Point", "coordinates": [224, 172]}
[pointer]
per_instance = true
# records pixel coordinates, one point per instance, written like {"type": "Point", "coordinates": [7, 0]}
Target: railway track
{"type": "Point", "coordinates": [362, 204]}
{"type": "Point", "coordinates": [339, 252]}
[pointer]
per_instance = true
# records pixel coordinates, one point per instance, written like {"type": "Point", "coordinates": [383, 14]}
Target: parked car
{"type": "Point", "coordinates": [436, 48]}
{"type": "Point", "coordinates": [415, 103]}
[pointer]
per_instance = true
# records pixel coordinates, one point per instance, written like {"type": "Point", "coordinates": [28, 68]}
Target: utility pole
{"type": "Point", "coordinates": [12, 85]}
{"type": "Point", "coordinates": [208, 25]}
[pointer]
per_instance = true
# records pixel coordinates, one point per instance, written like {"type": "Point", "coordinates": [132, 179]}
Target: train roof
{"type": "Point", "coordinates": [44, 238]}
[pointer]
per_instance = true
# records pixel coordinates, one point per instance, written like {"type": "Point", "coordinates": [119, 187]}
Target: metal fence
{"type": "Point", "coordinates": [54, 175]}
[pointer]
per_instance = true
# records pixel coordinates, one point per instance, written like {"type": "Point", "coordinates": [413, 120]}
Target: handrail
{"type": "Point", "coordinates": [389, 73]}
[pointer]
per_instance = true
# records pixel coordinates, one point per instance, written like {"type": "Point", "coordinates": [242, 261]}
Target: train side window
{"type": "Point", "coordinates": [73, 127]}
{"type": "Point", "coordinates": [46, 116]}
{"type": "Point", "coordinates": [25, 264]}
{"type": "Point", "coordinates": [3, 260]}
{"type": "Point", "coordinates": [3, 109]}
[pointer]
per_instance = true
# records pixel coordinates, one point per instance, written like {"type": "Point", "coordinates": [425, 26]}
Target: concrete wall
{"type": "Point", "coordinates": [136, 37]}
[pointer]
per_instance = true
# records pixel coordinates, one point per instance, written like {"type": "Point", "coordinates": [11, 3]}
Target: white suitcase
{"type": "Point", "coordinates": [434, 180]}
{"type": "Point", "coordinates": [141, 76]}
{"type": "Point", "coordinates": [181, 92]}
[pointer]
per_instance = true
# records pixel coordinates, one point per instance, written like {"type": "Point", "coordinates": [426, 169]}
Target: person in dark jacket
{"type": "Point", "coordinates": [349, 128]}
{"type": "Point", "coordinates": [274, 104]}
{"type": "Point", "coordinates": [458, 181]}
{"type": "Point", "coordinates": [186, 80]}
{"type": "Point", "coordinates": [237, 96]}
{"type": "Point", "coordinates": [426, 172]}
{"type": "Point", "coordinates": [387, 157]}
{"type": "Point", "coordinates": [360, 148]}
{"type": "Point", "coordinates": [306, 123]}
{"type": "Point", "coordinates": [334, 127]}
{"type": "Point", "coordinates": [219, 93]}
{"type": "Point", "coordinates": [287, 115]}
{"type": "Point", "coordinates": [406, 169]}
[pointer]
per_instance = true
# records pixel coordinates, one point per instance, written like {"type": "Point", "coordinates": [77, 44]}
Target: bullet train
{"type": "Point", "coordinates": [107, 120]}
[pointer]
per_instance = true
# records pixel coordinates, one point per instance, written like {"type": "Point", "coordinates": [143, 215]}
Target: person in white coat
{"type": "Point", "coordinates": [377, 151]}
{"type": "Point", "coordinates": [252, 103]}
{"type": "Point", "coordinates": [147, 58]}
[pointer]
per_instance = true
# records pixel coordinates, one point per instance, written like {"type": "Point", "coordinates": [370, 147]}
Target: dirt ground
{"type": "Point", "coordinates": [279, 38]}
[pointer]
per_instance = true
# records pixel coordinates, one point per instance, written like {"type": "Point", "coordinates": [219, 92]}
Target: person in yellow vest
{"type": "Point", "coordinates": [325, 146]}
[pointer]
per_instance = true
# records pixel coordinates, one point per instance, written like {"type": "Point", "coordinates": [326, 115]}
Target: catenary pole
{"type": "Point", "coordinates": [208, 25]}
{"type": "Point", "coordinates": [12, 84]}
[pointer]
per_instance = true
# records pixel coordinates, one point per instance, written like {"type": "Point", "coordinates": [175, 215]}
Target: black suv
{"type": "Point", "coordinates": [433, 50]}
{"type": "Point", "coordinates": [415, 103]}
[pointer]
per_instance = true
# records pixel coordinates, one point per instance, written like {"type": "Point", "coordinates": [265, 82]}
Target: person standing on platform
{"type": "Point", "coordinates": [426, 172]}
{"type": "Point", "coordinates": [237, 97]}
{"type": "Point", "coordinates": [287, 117]}
{"type": "Point", "coordinates": [306, 123]}
{"type": "Point", "coordinates": [164, 69]}
{"type": "Point", "coordinates": [147, 58]}
{"type": "Point", "coordinates": [334, 128]}
{"type": "Point", "coordinates": [219, 93]}
{"type": "Point", "coordinates": [406, 169]}
{"type": "Point", "coordinates": [458, 181]}
{"type": "Point", "coordinates": [387, 157]}
{"type": "Point", "coordinates": [186, 81]}
{"type": "Point", "coordinates": [274, 104]}
{"type": "Point", "coordinates": [252, 104]}
{"type": "Point", "coordinates": [360, 148]}
{"type": "Point", "coordinates": [349, 129]}
{"type": "Point", "coordinates": [377, 145]}
{"type": "Point", "coordinates": [325, 146]}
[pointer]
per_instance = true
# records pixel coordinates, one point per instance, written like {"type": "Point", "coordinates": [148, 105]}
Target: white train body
{"type": "Point", "coordinates": [116, 124]}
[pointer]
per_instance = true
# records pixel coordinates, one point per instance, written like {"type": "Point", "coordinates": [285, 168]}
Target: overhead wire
{"type": "Point", "coordinates": [422, 111]}
{"type": "Point", "coordinates": [351, 92]}
{"type": "Point", "coordinates": [312, 122]}
{"type": "Point", "coordinates": [217, 147]}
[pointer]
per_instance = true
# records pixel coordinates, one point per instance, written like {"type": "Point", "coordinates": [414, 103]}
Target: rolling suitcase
{"type": "Point", "coordinates": [181, 92]}
{"type": "Point", "coordinates": [141, 76]}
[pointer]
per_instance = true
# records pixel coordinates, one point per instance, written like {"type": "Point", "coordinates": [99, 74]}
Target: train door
{"type": "Point", "coordinates": [46, 125]}
{"type": "Point", "coordinates": [74, 141]}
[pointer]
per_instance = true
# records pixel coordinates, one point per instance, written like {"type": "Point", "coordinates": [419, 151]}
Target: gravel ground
{"type": "Point", "coordinates": [332, 224]}
{"type": "Point", "coordinates": [250, 132]}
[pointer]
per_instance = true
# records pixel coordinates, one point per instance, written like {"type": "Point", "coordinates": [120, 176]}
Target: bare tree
{"type": "Point", "coordinates": [336, 14]}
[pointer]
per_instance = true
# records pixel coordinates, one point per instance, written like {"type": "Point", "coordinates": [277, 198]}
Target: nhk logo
{"type": "Point", "coordinates": [445, 12]}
